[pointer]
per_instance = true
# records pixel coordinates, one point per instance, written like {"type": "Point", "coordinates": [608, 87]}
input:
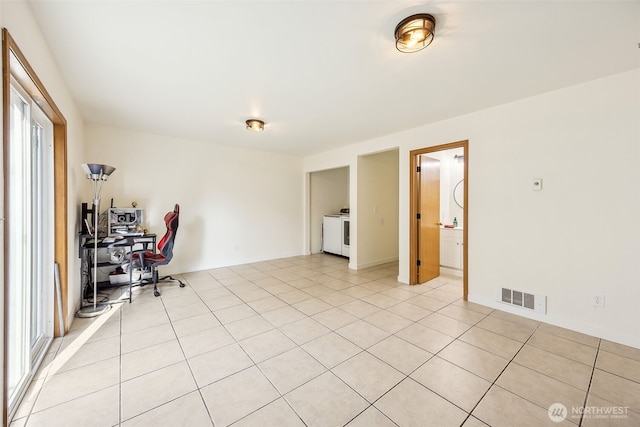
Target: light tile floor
{"type": "Point", "coordinates": [306, 341]}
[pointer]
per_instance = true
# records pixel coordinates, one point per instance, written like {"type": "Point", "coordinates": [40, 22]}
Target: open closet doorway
{"type": "Point", "coordinates": [439, 213]}
{"type": "Point", "coordinates": [328, 195]}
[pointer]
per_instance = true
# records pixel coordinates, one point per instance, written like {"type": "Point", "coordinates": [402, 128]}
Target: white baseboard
{"type": "Point", "coordinates": [377, 262]}
{"type": "Point", "coordinates": [593, 330]}
{"type": "Point", "coordinates": [451, 271]}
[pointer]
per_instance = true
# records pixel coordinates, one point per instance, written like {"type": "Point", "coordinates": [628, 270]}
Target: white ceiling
{"type": "Point", "coordinates": [322, 74]}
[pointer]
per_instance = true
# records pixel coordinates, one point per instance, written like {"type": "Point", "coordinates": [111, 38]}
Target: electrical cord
{"type": "Point", "coordinates": [103, 298]}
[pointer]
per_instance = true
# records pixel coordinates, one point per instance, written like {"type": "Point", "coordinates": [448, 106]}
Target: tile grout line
{"type": "Point", "coordinates": [407, 376]}
{"type": "Point", "coordinates": [141, 375]}
{"type": "Point", "coordinates": [120, 356]}
{"type": "Point", "coordinates": [281, 396]}
{"type": "Point", "coordinates": [327, 370]}
{"type": "Point", "coordinates": [500, 374]}
{"type": "Point", "coordinates": [185, 356]}
{"type": "Point", "coordinates": [439, 351]}
{"type": "Point", "coordinates": [515, 355]}
{"type": "Point", "coordinates": [338, 274]}
{"type": "Point", "coordinates": [586, 396]}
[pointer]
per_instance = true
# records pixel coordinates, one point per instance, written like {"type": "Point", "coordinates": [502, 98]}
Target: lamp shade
{"type": "Point", "coordinates": [92, 168]}
{"type": "Point", "coordinates": [107, 170]}
{"type": "Point", "coordinates": [96, 171]}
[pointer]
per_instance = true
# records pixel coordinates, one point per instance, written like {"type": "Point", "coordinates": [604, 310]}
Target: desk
{"type": "Point", "coordinates": [87, 249]}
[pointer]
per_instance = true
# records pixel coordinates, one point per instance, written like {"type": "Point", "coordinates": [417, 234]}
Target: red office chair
{"type": "Point", "coordinates": [151, 260]}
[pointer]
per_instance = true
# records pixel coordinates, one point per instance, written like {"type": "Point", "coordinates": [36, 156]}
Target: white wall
{"type": "Point", "coordinates": [377, 219]}
{"type": "Point", "coordinates": [329, 192]}
{"type": "Point", "coordinates": [17, 18]}
{"type": "Point", "coordinates": [577, 237]}
{"type": "Point", "coordinates": [237, 205]}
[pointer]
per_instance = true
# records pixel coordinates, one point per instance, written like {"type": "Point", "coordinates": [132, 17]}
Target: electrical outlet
{"type": "Point", "coordinates": [598, 301]}
{"type": "Point", "coordinates": [537, 184]}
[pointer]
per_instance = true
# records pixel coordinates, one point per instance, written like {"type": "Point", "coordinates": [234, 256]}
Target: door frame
{"type": "Point", "coordinates": [14, 63]}
{"type": "Point", "coordinates": [413, 210]}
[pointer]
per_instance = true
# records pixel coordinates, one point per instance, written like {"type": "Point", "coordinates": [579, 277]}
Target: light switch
{"type": "Point", "coordinates": [537, 184]}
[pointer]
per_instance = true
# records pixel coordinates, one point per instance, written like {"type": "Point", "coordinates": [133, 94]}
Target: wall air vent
{"type": "Point", "coordinates": [523, 299]}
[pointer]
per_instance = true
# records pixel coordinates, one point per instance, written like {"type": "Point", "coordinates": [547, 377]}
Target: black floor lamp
{"type": "Point", "coordinates": [98, 174]}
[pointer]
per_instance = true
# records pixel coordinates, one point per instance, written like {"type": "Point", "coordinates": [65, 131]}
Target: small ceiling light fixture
{"type": "Point", "coordinates": [415, 32]}
{"type": "Point", "coordinates": [255, 125]}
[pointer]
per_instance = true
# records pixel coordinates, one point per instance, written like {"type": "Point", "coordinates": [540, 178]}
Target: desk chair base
{"type": "Point", "coordinates": [157, 280]}
{"type": "Point", "coordinates": [165, 279]}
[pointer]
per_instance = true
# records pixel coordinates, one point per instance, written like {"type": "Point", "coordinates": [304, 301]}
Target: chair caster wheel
{"type": "Point", "coordinates": [156, 293]}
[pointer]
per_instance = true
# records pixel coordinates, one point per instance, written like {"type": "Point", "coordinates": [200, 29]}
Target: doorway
{"type": "Point", "coordinates": [328, 194]}
{"type": "Point", "coordinates": [426, 223]}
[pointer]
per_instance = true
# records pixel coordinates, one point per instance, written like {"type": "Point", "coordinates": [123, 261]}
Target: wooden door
{"type": "Point", "coordinates": [429, 222]}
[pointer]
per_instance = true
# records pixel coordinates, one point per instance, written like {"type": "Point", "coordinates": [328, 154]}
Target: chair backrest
{"type": "Point", "coordinates": [165, 246]}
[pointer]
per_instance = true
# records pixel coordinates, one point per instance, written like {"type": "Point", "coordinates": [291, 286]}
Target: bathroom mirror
{"type": "Point", "coordinates": [458, 193]}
